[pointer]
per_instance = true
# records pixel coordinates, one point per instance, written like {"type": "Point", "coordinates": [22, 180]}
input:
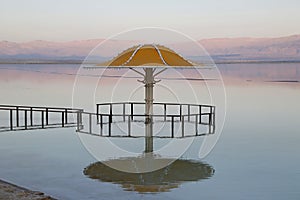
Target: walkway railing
{"type": "Point", "coordinates": [173, 120]}
{"type": "Point", "coordinates": [126, 119]}
{"type": "Point", "coordinates": [33, 117]}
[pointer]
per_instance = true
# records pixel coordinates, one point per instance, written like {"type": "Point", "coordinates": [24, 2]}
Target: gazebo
{"type": "Point", "coordinates": [149, 61]}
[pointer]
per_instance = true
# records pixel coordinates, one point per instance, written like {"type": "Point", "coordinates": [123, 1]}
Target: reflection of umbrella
{"type": "Point", "coordinates": [161, 180]}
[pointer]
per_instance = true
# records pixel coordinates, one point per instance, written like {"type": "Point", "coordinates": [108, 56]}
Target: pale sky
{"type": "Point", "coordinates": [65, 20]}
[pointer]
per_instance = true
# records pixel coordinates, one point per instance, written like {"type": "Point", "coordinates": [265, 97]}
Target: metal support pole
{"type": "Point", "coordinates": [97, 113]}
{"type": "Point", "coordinates": [131, 110]}
{"type": "Point", "coordinates": [62, 119]}
{"type": "Point", "coordinates": [165, 112]}
{"type": "Point", "coordinates": [180, 112]}
{"type": "Point", "coordinates": [149, 83]}
{"type": "Point", "coordinates": [214, 120]}
{"type": "Point", "coordinates": [25, 119]}
{"type": "Point", "coordinates": [42, 116]}
{"type": "Point", "coordinates": [210, 115]}
{"type": "Point", "coordinates": [81, 119]}
{"type": "Point", "coordinates": [109, 129]}
{"type": "Point", "coordinates": [129, 126]}
{"type": "Point", "coordinates": [31, 117]}
{"type": "Point", "coordinates": [17, 116]}
{"type": "Point", "coordinates": [11, 119]}
{"type": "Point", "coordinates": [66, 116]}
{"type": "Point", "coordinates": [78, 121]}
{"type": "Point", "coordinates": [124, 111]}
{"type": "Point", "coordinates": [196, 124]}
{"type": "Point", "coordinates": [172, 127]}
{"type": "Point", "coordinates": [110, 113]}
{"type": "Point", "coordinates": [47, 117]}
{"type": "Point", "coordinates": [189, 112]}
{"type": "Point", "coordinates": [101, 125]}
{"type": "Point", "coordinates": [182, 126]}
{"type": "Point", "coordinates": [209, 128]}
{"type": "Point", "coordinates": [90, 123]}
{"type": "Point", "coordinates": [200, 112]}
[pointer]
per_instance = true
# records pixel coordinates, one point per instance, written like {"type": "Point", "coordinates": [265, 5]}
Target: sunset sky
{"type": "Point", "coordinates": [64, 20]}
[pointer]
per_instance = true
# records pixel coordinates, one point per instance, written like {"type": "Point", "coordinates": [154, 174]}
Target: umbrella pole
{"type": "Point", "coordinates": [149, 84]}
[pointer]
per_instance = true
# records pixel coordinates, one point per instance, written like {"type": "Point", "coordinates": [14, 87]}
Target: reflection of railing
{"type": "Point", "coordinates": [28, 117]}
{"type": "Point", "coordinates": [176, 116]}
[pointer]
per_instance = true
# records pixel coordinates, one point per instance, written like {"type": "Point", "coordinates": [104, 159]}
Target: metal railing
{"type": "Point", "coordinates": [177, 118]}
{"type": "Point", "coordinates": [34, 117]}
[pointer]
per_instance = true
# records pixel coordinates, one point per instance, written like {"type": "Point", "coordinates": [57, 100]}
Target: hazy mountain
{"type": "Point", "coordinates": [283, 48]}
{"type": "Point", "coordinates": [221, 49]}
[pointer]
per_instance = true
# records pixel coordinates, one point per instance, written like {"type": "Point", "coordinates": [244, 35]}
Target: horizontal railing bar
{"type": "Point", "coordinates": [37, 110]}
{"type": "Point", "coordinates": [141, 136]}
{"type": "Point", "coordinates": [135, 115]}
{"type": "Point", "coordinates": [154, 103]}
{"type": "Point", "coordinates": [143, 115]}
{"type": "Point", "coordinates": [39, 107]}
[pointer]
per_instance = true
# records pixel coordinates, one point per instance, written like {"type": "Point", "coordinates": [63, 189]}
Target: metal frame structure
{"type": "Point", "coordinates": [148, 71]}
{"type": "Point", "coordinates": [34, 117]}
{"type": "Point", "coordinates": [175, 116]}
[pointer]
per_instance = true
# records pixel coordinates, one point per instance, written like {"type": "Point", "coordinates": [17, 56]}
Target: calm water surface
{"type": "Point", "coordinates": [257, 156]}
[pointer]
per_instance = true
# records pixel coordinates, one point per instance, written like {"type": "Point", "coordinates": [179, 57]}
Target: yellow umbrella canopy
{"type": "Point", "coordinates": [148, 55]}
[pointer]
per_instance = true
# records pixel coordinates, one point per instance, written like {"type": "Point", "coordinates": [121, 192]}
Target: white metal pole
{"type": "Point", "coordinates": [149, 83]}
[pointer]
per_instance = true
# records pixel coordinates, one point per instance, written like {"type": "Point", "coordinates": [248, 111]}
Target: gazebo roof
{"type": "Point", "coordinates": [147, 55]}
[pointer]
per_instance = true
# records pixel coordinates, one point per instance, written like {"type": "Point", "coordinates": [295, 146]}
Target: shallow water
{"type": "Point", "coordinates": [256, 157]}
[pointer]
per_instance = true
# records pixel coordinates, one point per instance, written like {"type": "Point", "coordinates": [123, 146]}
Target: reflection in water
{"type": "Point", "coordinates": [162, 180]}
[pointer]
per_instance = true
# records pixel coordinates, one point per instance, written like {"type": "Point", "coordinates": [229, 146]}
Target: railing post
{"type": "Point", "coordinates": [172, 127]}
{"type": "Point", "coordinates": [165, 112]}
{"type": "Point", "coordinates": [109, 129]}
{"type": "Point", "coordinates": [189, 112]}
{"type": "Point", "coordinates": [180, 112]}
{"type": "Point", "coordinates": [101, 125]}
{"type": "Point", "coordinates": [210, 120]}
{"type": "Point", "coordinates": [110, 113]}
{"type": "Point", "coordinates": [129, 126]}
{"type": "Point", "coordinates": [78, 121]}
{"type": "Point", "coordinates": [210, 115]}
{"type": "Point", "coordinates": [66, 116]}
{"type": "Point", "coordinates": [31, 117]}
{"type": "Point", "coordinates": [200, 112]}
{"type": "Point", "coordinates": [17, 116]}
{"type": "Point", "coordinates": [97, 108]}
{"type": "Point", "coordinates": [124, 110]}
{"type": "Point", "coordinates": [62, 119]}
{"type": "Point", "coordinates": [209, 128]}
{"type": "Point", "coordinates": [131, 110]}
{"type": "Point", "coordinates": [11, 119]}
{"type": "Point", "coordinates": [90, 123]}
{"type": "Point", "coordinates": [214, 120]}
{"type": "Point", "coordinates": [47, 116]}
{"type": "Point", "coordinates": [42, 116]}
{"type": "Point", "coordinates": [25, 119]}
{"type": "Point", "coordinates": [196, 124]}
{"type": "Point", "coordinates": [182, 126]}
{"type": "Point", "coordinates": [80, 118]}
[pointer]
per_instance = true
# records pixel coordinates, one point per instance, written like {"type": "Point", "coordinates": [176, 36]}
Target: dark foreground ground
{"type": "Point", "coordinates": [10, 191]}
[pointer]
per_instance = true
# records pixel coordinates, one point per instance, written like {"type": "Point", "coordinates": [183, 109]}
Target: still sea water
{"type": "Point", "coordinates": [256, 157]}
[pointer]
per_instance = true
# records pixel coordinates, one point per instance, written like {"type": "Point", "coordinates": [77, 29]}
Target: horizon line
{"type": "Point", "coordinates": [92, 39]}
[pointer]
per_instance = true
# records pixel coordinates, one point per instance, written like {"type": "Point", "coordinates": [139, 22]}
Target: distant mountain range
{"type": "Point", "coordinates": [221, 50]}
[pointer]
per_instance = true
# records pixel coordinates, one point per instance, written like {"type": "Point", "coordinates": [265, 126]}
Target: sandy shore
{"type": "Point", "coordinates": [10, 191]}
